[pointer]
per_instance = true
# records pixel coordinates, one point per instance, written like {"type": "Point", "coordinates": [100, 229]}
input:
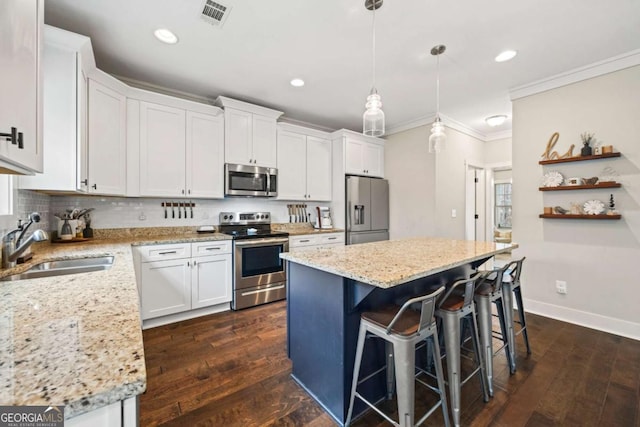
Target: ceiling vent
{"type": "Point", "coordinates": [215, 13]}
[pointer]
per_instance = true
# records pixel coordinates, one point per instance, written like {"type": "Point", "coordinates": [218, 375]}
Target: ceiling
{"type": "Point", "coordinates": [328, 43]}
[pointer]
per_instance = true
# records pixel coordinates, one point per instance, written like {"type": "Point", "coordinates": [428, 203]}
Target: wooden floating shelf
{"type": "Point", "coordinates": [582, 187]}
{"type": "Point", "coordinates": [557, 216]}
{"type": "Point", "coordinates": [579, 158]}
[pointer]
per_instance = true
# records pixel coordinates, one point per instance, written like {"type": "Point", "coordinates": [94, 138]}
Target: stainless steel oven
{"type": "Point", "coordinates": [260, 274]}
{"type": "Point", "coordinates": [256, 181]}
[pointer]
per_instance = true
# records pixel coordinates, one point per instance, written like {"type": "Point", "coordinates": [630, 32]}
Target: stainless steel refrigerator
{"type": "Point", "coordinates": [367, 209]}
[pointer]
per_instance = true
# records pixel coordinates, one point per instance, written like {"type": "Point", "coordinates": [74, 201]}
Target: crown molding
{"type": "Point", "coordinates": [450, 123]}
{"type": "Point", "coordinates": [615, 63]}
{"type": "Point", "coordinates": [494, 136]}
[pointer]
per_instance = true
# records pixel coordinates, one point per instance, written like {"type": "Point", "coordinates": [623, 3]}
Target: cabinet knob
{"type": "Point", "coordinates": [182, 191]}
{"type": "Point", "coordinates": [189, 191]}
{"type": "Point", "coordinates": [95, 186]}
{"type": "Point", "coordinates": [85, 181]}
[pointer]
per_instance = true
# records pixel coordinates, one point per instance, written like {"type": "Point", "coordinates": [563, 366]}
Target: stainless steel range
{"type": "Point", "coordinates": [259, 275]}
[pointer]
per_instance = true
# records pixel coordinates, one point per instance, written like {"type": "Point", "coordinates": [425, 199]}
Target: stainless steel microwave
{"type": "Point", "coordinates": [250, 181]}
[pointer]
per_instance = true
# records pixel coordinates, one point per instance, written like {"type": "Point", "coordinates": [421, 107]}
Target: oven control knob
{"type": "Point", "coordinates": [266, 216]}
{"type": "Point", "coordinates": [226, 217]}
{"type": "Point", "coordinates": [230, 217]}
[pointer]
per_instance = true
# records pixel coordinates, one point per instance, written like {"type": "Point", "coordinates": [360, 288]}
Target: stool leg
{"type": "Point", "coordinates": [362, 335]}
{"type": "Point", "coordinates": [388, 347]}
{"type": "Point", "coordinates": [437, 362]}
{"type": "Point", "coordinates": [483, 305]}
{"type": "Point", "coordinates": [476, 347]}
{"type": "Point", "coordinates": [523, 321]}
{"type": "Point", "coordinates": [404, 359]}
{"type": "Point", "coordinates": [451, 328]}
{"type": "Point", "coordinates": [507, 302]}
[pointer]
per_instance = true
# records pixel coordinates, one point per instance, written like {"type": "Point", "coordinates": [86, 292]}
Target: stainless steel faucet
{"type": "Point", "coordinates": [13, 247]}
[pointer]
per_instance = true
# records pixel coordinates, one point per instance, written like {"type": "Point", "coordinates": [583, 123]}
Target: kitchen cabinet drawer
{"type": "Point", "coordinates": [300, 241]}
{"type": "Point", "coordinates": [326, 239]}
{"type": "Point", "coordinates": [211, 248]}
{"type": "Point", "coordinates": [164, 252]}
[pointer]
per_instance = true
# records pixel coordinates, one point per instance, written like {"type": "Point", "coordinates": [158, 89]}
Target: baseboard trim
{"type": "Point", "coordinates": [594, 321]}
{"type": "Point", "coordinates": [185, 315]}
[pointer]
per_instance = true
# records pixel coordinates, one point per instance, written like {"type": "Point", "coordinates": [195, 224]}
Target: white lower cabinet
{"type": "Point", "coordinates": [119, 414]}
{"type": "Point", "coordinates": [176, 278]}
{"type": "Point", "coordinates": [315, 241]}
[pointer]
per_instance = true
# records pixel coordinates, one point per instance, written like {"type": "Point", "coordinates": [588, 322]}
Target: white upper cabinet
{"type": "Point", "coordinates": [67, 58]}
{"type": "Point", "coordinates": [363, 157]}
{"type": "Point", "coordinates": [205, 155]}
{"type": "Point", "coordinates": [249, 133]}
{"type": "Point", "coordinates": [21, 27]}
{"type": "Point", "coordinates": [181, 150]}
{"type": "Point", "coordinates": [304, 164]}
{"type": "Point", "coordinates": [107, 136]}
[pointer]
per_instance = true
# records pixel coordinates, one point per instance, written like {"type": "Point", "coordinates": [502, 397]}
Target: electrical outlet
{"type": "Point", "coordinates": [142, 216]}
{"type": "Point", "coordinates": [454, 213]}
{"type": "Point", "coordinates": [561, 287]}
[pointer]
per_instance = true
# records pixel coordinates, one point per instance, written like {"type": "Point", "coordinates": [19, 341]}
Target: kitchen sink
{"type": "Point", "coordinates": [63, 267]}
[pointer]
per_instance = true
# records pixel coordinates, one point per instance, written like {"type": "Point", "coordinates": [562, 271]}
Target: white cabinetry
{"type": "Point", "coordinates": [181, 147]}
{"type": "Point", "coordinates": [315, 241]}
{"type": "Point", "coordinates": [364, 158]}
{"type": "Point", "coordinates": [118, 414]}
{"type": "Point", "coordinates": [174, 278]}
{"type": "Point", "coordinates": [304, 164]}
{"type": "Point", "coordinates": [66, 60]}
{"type": "Point", "coordinates": [107, 135]}
{"type": "Point", "coordinates": [250, 133]}
{"type": "Point", "coordinates": [21, 25]}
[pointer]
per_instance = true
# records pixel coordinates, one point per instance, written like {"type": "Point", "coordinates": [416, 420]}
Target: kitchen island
{"type": "Point", "coordinates": [328, 290]}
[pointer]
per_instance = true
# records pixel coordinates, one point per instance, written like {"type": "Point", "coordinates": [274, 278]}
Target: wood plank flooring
{"type": "Point", "coordinates": [231, 369]}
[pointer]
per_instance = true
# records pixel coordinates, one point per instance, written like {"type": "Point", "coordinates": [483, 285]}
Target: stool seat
{"type": "Point", "coordinates": [406, 325]}
{"type": "Point", "coordinates": [452, 303]}
{"type": "Point", "coordinates": [485, 289]}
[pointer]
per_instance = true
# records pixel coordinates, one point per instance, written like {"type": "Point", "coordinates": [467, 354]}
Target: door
{"type": "Point", "coordinates": [292, 169]}
{"type": "Point", "coordinates": [358, 203]}
{"type": "Point", "coordinates": [205, 155]}
{"type": "Point", "coordinates": [372, 159]}
{"type": "Point", "coordinates": [238, 136]}
{"type": "Point", "coordinates": [165, 287]}
{"type": "Point", "coordinates": [379, 204]}
{"type": "Point", "coordinates": [354, 157]}
{"type": "Point", "coordinates": [21, 24]}
{"type": "Point", "coordinates": [162, 150]}
{"type": "Point", "coordinates": [264, 141]}
{"type": "Point", "coordinates": [107, 140]}
{"type": "Point", "coordinates": [318, 161]}
{"type": "Point", "coordinates": [211, 280]}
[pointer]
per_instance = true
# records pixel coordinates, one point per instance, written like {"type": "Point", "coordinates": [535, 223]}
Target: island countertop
{"type": "Point", "coordinates": [76, 340]}
{"type": "Point", "coordinates": [390, 263]}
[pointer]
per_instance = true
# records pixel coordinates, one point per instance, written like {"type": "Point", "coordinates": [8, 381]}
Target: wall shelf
{"type": "Point", "coordinates": [579, 158]}
{"type": "Point", "coordinates": [567, 216]}
{"type": "Point", "coordinates": [582, 187]}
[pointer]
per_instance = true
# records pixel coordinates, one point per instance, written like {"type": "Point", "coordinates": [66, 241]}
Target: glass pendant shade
{"type": "Point", "coordinates": [373, 117]}
{"type": "Point", "coordinates": [438, 138]}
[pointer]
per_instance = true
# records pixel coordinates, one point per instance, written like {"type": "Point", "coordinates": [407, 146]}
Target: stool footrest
{"type": "Point", "coordinates": [372, 406]}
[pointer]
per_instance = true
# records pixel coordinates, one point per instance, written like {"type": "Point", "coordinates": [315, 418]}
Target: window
{"type": "Point", "coordinates": [503, 205]}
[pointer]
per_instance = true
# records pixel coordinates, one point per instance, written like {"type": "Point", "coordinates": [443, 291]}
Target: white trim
{"type": "Point", "coordinates": [223, 101]}
{"type": "Point", "coordinates": [303, 130]}
{"type": "Point", "coordinates": [185, 315]}
{"type": "Point", "coordinates": [450, 123]}
{"type": "Point", "coordinates": [139, 84]}
{"type": "Point", "coordinates": [594, 321]}
{"type": "Point", "coordinates": [616, 63]}
{"type": "Point", "coordinates": [302, 123]}
{"type": "Point", "coordinates": [494, 136]}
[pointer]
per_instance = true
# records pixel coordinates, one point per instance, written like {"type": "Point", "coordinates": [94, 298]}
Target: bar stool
{"type": "Point", "coordinates": [402, 328]}
{"type": "Point", "coordinates": [511, 280]}
{"type": "Point", "coordinates": [454, 309]}
{"type": "Point", "coordinates": [489, 290]}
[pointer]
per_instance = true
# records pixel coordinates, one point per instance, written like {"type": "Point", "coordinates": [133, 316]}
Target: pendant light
{"type": "Point", "coordinates": [373, 117]}
{"type": "Point", "coordinates": [438, 139]}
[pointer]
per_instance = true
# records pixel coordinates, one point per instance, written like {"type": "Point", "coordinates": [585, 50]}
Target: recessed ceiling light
{"type": "Point", "coordinates": [165, 36]}
{"type": "Point", "coordinates": [297, 82]}
{"type": "Point", "coordinates": [494, 121]}
{"type": "Point", "coordinates": [506, 55]}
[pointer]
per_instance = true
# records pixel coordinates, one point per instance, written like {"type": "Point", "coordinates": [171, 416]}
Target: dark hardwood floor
{"type": "Point", "coordinates": [231, 369]}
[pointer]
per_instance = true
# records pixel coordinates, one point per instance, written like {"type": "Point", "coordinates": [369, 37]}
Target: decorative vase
{"type": "Point", "coordinates": [586, 150]}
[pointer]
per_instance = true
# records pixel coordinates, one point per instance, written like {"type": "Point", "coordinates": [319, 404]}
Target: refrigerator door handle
{"type": "Point", "coordinates": [349, 216]}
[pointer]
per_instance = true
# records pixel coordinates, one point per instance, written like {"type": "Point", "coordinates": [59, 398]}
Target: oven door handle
{"type": "Point", "coordinates": [260, 242]}
{"type": "Point", "coordinates": [261, 291]}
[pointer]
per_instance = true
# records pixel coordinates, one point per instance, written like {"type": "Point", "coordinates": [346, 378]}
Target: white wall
{"type": "Point", "coordinates": [497, 151]}
{"type": "Point", "coordinates": [410, 170]}
{"type": "Point", "coordinates": [423, 187]}
{"type": "Point", "coordinates": [597, 259]}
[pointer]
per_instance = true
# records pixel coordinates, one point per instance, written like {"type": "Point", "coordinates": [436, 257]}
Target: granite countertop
{"type": "Point", "coordinates": [393, 262]}
{"type": "Point", "coordinates": [76, 340]}
{"type": "Point", "coordinates": [300, 229]}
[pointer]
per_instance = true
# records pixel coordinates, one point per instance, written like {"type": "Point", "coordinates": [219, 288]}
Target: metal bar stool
{"type": "Point", "coordinates": [489, 290]}
{"type": "Point", "coordinates": [402, 328]}
{"type": "Point", "coordinates": [454, 309]}
{"type": "Point", "coordinates": [511, 280]}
